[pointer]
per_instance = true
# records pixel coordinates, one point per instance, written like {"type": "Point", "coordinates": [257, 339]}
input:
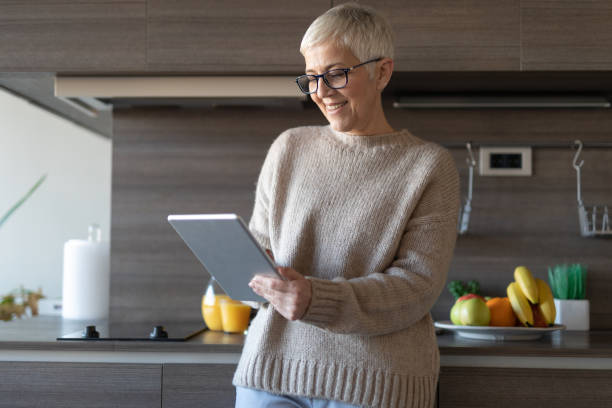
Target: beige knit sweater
{"type": "Point", "coordinates": [371, 221]}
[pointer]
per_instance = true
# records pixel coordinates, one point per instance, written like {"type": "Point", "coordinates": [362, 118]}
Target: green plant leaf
{"type": "Point", "coordinates": [577, 280]}
{"type": "Point", "coordinates": [22, 200]}
{"type": "Point", "coordinates": [553, 284]}
{"type": "Point", "coordinates": [572, 282]}
{"type": "Point", "coordinates": [456, 288]}
{"type": "Point", "coordinates": [562, 277]}
{"type": "Point", "coordinates": [473, 287]}
{"type": "Point", "coordinates": [583, 282]}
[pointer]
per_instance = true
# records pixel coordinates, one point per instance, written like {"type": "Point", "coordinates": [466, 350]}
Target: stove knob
{"type": "Point", "coordinates": [90, 333]}
{"type": "Point", "coordinates": [158, 333]}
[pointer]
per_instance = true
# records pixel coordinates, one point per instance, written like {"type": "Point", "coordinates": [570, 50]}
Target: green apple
{"type": "Point", "coordinates": [474, 312]}
{"type": "Point", "coordinates": [454, 313]}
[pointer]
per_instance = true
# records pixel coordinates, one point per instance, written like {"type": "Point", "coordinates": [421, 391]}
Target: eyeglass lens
{"type": "Point", "coordinates": [335, 79]}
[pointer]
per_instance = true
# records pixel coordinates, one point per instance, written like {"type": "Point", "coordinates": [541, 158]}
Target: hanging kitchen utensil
{"type": "Point", "coordinates": [464, 212]}
{"type": "Point", "coordinates": [591, 224]}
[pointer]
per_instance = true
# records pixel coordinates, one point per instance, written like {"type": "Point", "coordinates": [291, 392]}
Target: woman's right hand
{"type": "Point", "coordinates": [290, 296]}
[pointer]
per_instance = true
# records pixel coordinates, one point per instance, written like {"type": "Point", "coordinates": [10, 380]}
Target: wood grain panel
{"type": "Point", "coordinates": [231, 36]}
{"type": "Point", "coordinates": [446, 35]}
{"type": "Point", "coordinates": [198, 160]}
{"type": "Point", "coordinates": [180, 161]}
{"type": "Point", "coordinates": [67, 385]}
{"type": "Point", "coordinates": [403, 83]}
{"type": "Point", "coordinates": [566, 35]}
{"type": "Point", "coordinates": [510, 387]}
{"type": "Point", "coordinates": [505, 125]}
{"type": "Point", "coordinates": [68, 36]}
{"type": "Point", "coordinates": [198, 385]}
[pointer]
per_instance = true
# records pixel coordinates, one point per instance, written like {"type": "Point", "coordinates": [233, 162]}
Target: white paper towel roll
{"type": "Point", "coordinates": [86, 284]}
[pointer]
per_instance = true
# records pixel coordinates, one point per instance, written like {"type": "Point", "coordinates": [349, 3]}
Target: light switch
{"type": "Point", "coordinates": [505, 161]}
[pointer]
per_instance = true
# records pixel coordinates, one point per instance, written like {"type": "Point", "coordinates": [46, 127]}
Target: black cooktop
{"type": "Point", "coordinates": [137, 332]}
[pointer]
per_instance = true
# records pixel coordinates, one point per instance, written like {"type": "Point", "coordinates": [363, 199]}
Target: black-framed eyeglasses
{"type": "Point", "coordinates": [335, 78]}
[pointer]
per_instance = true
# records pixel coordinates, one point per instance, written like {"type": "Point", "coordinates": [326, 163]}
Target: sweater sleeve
{"type": "Point", "coordinates": [259, 224]}
{"type": "Point", "coordinates": [403, 293]}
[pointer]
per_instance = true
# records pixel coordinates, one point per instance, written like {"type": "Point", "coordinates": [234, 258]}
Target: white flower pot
{"type": "Point", "coordinates": [574, 314]}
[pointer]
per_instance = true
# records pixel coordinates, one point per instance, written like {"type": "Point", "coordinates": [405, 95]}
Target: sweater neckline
{"type": "Point", "coordinates": [384, 140]}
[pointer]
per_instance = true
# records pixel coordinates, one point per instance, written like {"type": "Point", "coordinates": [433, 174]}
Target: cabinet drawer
{"type": "Point", "coordinates": [198, 385]}
{"type": "Point", "coordinates": [525, 388]}
{"type": "Point", "coordinates": [78, 385]}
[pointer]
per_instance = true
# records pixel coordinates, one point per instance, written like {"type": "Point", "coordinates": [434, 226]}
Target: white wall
{"type": "Point", "coordinates": [76, 193]}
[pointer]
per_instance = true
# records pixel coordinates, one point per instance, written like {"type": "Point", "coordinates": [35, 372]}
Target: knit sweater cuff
{"type": "Point", "coordinates": [325, 302]}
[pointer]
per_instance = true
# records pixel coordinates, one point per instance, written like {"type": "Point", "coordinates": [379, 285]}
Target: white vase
{"type": "Point", "coordinates": [574, 314]}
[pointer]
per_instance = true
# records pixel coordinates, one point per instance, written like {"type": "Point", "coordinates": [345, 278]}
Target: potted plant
{"type": "Point", "coordinates": [568, 284]}
{"type": "Point", "coordinates": [8, 306]}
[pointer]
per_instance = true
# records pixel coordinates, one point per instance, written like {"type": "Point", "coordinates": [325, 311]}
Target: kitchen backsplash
{"type": "Point", "coordinates": [172, 160]}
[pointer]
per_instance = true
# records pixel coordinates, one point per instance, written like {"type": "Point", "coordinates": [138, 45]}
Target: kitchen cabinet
{"type": "Point", "coordinates": [83, 36]}
{"type": "Point", "coordinates": [566, 35]}
{"type": "Point", "coordinates": [66, 385]}
{"type": "Point", "coordinates": [523, 387]}
{"type": "Point", "coordinates": [446, 35]}
{"type": "Point", "coordinates": [237, 36]}
{"type": "Point", "coordinates": [240, 36]}
{"type": "Point", "coordinates": [563, 369]}
{"type": "Point", "coordinates": [198, 385]}
{"type": "Point", "coordinates": [101, 385]}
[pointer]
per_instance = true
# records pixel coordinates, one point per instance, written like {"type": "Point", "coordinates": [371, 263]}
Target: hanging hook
{"type": "Point", "coordinates": [470, 160]}
{"type": "Point", "coordinates": [576, 164]}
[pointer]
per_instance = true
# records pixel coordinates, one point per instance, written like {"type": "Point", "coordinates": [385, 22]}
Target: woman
{"type": "Point", "coordinates": [362, 220]}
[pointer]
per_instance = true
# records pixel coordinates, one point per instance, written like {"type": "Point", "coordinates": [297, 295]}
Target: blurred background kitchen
{"type": "Point", "coordinates": [127, 155]}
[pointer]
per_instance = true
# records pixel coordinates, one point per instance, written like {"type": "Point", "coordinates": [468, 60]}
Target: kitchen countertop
{"type": "Point", "coordinates": [41, 332]}
{"type": "Point", "coordinates": [34, 339]}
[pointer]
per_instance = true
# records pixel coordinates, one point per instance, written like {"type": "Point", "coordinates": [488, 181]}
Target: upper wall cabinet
{"type": "Point", "coordinates": [229, 36]}
{"type": "Point", "coordinates": [451, 35]}
{"type": "Point", "coordinates": [249, 37]}
{"type": "Point", "coordinates": [72, 36]}
{"type": "Point", "coordinates": [566, 35]}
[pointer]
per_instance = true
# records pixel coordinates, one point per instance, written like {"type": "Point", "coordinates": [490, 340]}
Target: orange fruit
{"type": "Point", "coordinates": [501, 312]}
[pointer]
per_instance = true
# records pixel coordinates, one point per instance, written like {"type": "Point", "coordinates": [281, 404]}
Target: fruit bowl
{"type": "Point", "coordinates": [498, 333]}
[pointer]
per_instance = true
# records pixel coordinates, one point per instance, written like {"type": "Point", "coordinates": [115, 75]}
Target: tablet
{"type": "Point", "coordinates": [227, 249]}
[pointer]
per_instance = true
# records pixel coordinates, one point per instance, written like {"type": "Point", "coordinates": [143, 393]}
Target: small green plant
{"type": "Point", "coordinates": [459, 288]}
{"type": "Point", "coordinates": [568, 281]}
{"type": "Point", "coordinates": [10, 308]}
{"type": "Point", "coordinates": [22, 200]}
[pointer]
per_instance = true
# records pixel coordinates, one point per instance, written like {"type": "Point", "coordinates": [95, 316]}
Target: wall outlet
{"type": "Point", "coordinates": [504, 161]}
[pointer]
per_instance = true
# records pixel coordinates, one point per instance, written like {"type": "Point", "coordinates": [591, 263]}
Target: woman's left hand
{"type": "Point", "coordinates": [290, 297]}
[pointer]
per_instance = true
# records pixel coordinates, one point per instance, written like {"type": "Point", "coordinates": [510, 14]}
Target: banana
{"type": "Point", "coordinates": [527, 283]}
{"type": "Point", "coordinates": [520, 305]}
{"type": "Point", "coordinates": [547, 304]}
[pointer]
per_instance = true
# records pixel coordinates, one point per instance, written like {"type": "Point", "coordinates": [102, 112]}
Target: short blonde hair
{"type": "Point", "coordinates": [360, 29]}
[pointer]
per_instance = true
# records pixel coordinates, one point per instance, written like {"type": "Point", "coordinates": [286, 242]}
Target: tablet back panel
{"type": "Point", "coordinates": [226, 248]}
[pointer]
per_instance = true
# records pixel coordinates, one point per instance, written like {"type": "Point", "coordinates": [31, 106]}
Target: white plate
{"type": "Point", "coordinates": [498, 333]}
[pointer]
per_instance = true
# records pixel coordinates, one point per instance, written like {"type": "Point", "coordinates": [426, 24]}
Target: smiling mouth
{"type": "Point", "coordinates": [335, 107]}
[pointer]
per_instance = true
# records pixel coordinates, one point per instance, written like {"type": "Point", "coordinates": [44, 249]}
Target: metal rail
{"type": "Point", "coordinates": [552, 145]}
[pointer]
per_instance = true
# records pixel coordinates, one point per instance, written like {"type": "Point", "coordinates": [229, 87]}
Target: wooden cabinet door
{"type": "Point", "coordinates": [198, 385]}
{"type": "Point", "coordinates": [78, 385]}
{"type": "Point", "coordinates": [566, 35]}
{"type": "Point", "coordinates": [76, 36]}
{"type": "Point", "coordinates": [524, 387]}
{"type": "Point", "coordinates": [450, 35]}
{"type": "Point", "coordinates": [237, 36]}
